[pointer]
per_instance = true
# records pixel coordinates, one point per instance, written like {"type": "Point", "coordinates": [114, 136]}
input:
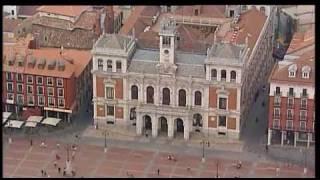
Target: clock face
{"type": "Point", "coordinates": [166, 52]}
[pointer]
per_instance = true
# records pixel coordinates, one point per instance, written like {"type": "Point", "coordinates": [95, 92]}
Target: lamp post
{"type": "Point", "coordinates": [105, 140]}
{"type": "Point", "coordinates": [68, 170]}
{"type": "Point", "coordinates": [203, 142]}
{"type": "Point", "coordinates": [305, 161]}
{"type": "Point", "coordinates": [217, 176]}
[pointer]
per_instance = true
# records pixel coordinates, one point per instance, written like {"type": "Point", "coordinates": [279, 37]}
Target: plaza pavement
{"type": "Point", "coordinates": [23, 160]}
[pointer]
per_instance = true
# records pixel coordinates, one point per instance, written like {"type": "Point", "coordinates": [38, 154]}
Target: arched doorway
{"type": "Point", "coordinates": [179, 124]}
{"type": "Point", "coordinates": [197, 122]}
{"type": "Point", "coordinates": [163, 124]}
{"type": "Point", "coordinates": [147, 122]}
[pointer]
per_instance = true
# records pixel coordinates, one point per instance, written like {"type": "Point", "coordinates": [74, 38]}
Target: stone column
{"type": "Point", "coordinates": [170, 127]}
{"type": "Point", "coordinates": [269, 137]}
{"type": "Point", "coordinates": [186, 129]}
{"type": "Point", "coordinates": [154, 126]}
{"type": "Point", "coordinates": [139, 124]}
{"type": "Point", "coordinates": [282, 132]}
{"type": "Point", "coordinates": [126, 116]}
{"type": "Point", "coordinates": [295, 138]}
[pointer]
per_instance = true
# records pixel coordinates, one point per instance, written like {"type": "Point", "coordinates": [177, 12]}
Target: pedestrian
{"type": "Point", "coordinates": [256, 120]}
{"type": "Point", "coordinates": [64, 173]}
{"type": "Point", "coordinates": [55, 164]}
{"type": "Point", "coordinates": [158, 172]}
{"type": "Point", "coordinates": [73, 155]}
{"type": "Point", "coordinates": [188, 169]}
{"type": "Point", "coordinates": [59, 170]}
{"type": "Point", "coordinates": [42, 172]}
{"type": "Point", "coordinates": [277, 171]}
{"type": "Point", "coordinates": [45, 173]}
{"type": "Point", "coordinates": [58, 145]}
{"type": "Point", "coordinates": [30, 142]}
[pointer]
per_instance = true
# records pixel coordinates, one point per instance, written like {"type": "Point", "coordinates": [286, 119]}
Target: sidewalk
{"type": "Point", "coordinates": [129, 134]}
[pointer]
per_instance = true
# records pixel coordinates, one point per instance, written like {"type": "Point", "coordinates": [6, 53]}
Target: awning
{"type": "Point", "coordinates": [5, 116]}
{"type": "Point", "coordinates": [35, 119]}
{"type": "Point", "coordinates": [31, 124]}
{"type": "Point", "coordinates": [51, 121]}
{"type": "Point", "coordinates": [14, 124]}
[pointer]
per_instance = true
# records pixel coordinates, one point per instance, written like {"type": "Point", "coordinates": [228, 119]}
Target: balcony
{"type": "Point", "coordinates": [303, 118]}
{"type": "Point", "coordinates": [304, 106]}
{"type": "Point", "coordinates": [276, 104]}
{"type": "Point", "coordinates": [304, 95]}
{"type": "Point", "coordinates": [289, 116]}
{"type": "Point", "coordinates": [291, 94]}
{"type": "Point", "coordinates": [277, 93]}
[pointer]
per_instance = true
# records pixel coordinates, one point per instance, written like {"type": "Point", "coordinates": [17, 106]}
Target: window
{"type": "Point", "coordinates": [222, 103]}
{"type": "Point", "coordinates": [276, 123]}
{"type": "Point", "coordinates": [60, 92]}
{"type": "Point", "coordinates": [50, 101]}
{"type": "Point", "coordinates": [233, 75]}
{"type": "Point", "coordinates": [29, 89]}
{"type": "Point", "coordinates": [302, 125]}
{"type": "Point", "coordinates": [30, 100]}
{"type": "Point", "coordinates": [39, 80]}
{"type": "Point", "coordinates": [9, 87]}
{"type": "Point", "coordinates": [290, 102]}
{"type": "Point", "coordinates": [290, 92]}
{"type": "Point", "coordinates": [303, 115]}
{"type": "Point", "coordinates": [276, 112]}
{"type": "Point", "coordinates": [109, 92]}
{"type": "Point", "coordinates": [244, 7]}
{"type": "Point", "coordinates": [41, 100]}
{"type": "Point", "coordinates": [305, 75]}
{"type": "Point", "coordinates": [303, 103]}
{"type": "Point", "coordinates": [222, 121]}
{"type": "Point", "coordinates": [40, 90]}
{"type": "Point", "coordinates": [110, 110]}
{"type": "Point", "coordinates": [166, 40]}
{"type": "Point", "coordinates": [214, 74]}
{"type": "Point", "coordinates": [50, 81]}
{"type": "Point", "coordinates": [277, 90]}
{"type": "Point", "coordinates": [118, 66]}
{"type": "Point", "coordinates": [20, 99]}
{"type": "Point", "coordinates": [196, 12]}
{"type": "Point", "coordinates": [50, 91]}
{"type": "Point", "coordinates": [231, 13]}
{"type": "Point", "coordinates": [291, 74]}
{"type": "Point", "coordinates": [182, 97]}
{"type": "Point", "coordinates": [263, 9]}
{"type": "Point", "coordinates": [29, 79]}
{"type": "Point", "coordinates": [134, 92]}
{"type": "Point", "coordinates": [59, 82]}
{"type": "Point", "coordinates": [19, 77]}
{"type": "Point", "coordinates": [109, 66]}
{"type": "Point", "coordinates": [150, 93]}
{"type": "Point", "coordinates": [304, 93]}
{"type": "Point", "coordinates": [100, 64]}
{"type": "Point", "coordinates": [197, 98]}
{"type": "Point", "coordinates": [12, 12]}
{"type": "Point", "coordinates": [9, 76]}
{"type": "Point", "coordinates": [223, 75]}
{"type": "Point", "coordinates": [10, 96]}
{"type": "Point", "coordinates": [166, 96]}
{"type": "Point", "coordinates": [289, 114]}
{"type": "Point", "coordinates": [289, 124]}
{"type": "Point", "coordinates": [60, 102]}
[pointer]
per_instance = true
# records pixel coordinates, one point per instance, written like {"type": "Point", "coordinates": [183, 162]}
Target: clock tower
{"type": "Point", "coordinates": [167, 41]}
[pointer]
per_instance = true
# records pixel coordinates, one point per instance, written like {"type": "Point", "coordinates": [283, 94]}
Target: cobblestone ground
{"type": "Point", "coordinates": [23, 160]}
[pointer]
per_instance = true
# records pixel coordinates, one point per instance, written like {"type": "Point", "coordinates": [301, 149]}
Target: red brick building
{"type": "Point", "coordinates": [291, 102]}
{"type": "Point", "coordinates": [45, 80]}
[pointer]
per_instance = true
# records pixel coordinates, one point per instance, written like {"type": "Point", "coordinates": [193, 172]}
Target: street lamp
{"type": "Point", "coordinates": [105, 140]}
{"type": "Point", "coordinates": [203, 142]}
{"type": "Point", "coordinates": [305, 161]}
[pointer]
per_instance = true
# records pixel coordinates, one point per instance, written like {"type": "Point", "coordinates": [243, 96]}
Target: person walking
{"type": "Point", "coordinates": [59, 170]}
{"type": "Point", "coordinates": [42, 172]}
{"type": "Point", "coordinates": [158, 172]}
{"type": "Point", "coordinates": [267, 147]}
{"type": "Point", "coordinates": [55, 164]}
{"type": "Point", "coordinates": [30, 142]}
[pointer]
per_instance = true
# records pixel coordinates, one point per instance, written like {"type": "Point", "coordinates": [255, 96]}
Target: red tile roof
{"type": "Point", "coordinates": [280, 73]}
{"type": "Point", "coordinates": [72, 11]}
{"type": "Point", "coordinates": [28, 10]}
{"type": "Point", "coordinates": [216, 11]}
{"type": "Point", "coordinates": [9, 25]}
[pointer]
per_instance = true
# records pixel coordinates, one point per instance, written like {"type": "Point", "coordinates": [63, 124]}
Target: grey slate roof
{"type": "Point", "coordinates": [145, 61]}
{"type": "Point", "coordinates": [226, 50]}
{"type": "Point", "coordinates": [114, 41]}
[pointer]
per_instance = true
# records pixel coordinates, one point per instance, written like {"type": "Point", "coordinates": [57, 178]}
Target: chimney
{"type": "Point", "coordinates": [109, 20]}
{"type": "Point", "coordinates": [97, 27]}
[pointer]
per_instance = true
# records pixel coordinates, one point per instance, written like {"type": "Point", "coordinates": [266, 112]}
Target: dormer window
{"type": "Point", "coordinates": [292, 70]}
{"type": "Point", "coordinates": [306, 72]}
